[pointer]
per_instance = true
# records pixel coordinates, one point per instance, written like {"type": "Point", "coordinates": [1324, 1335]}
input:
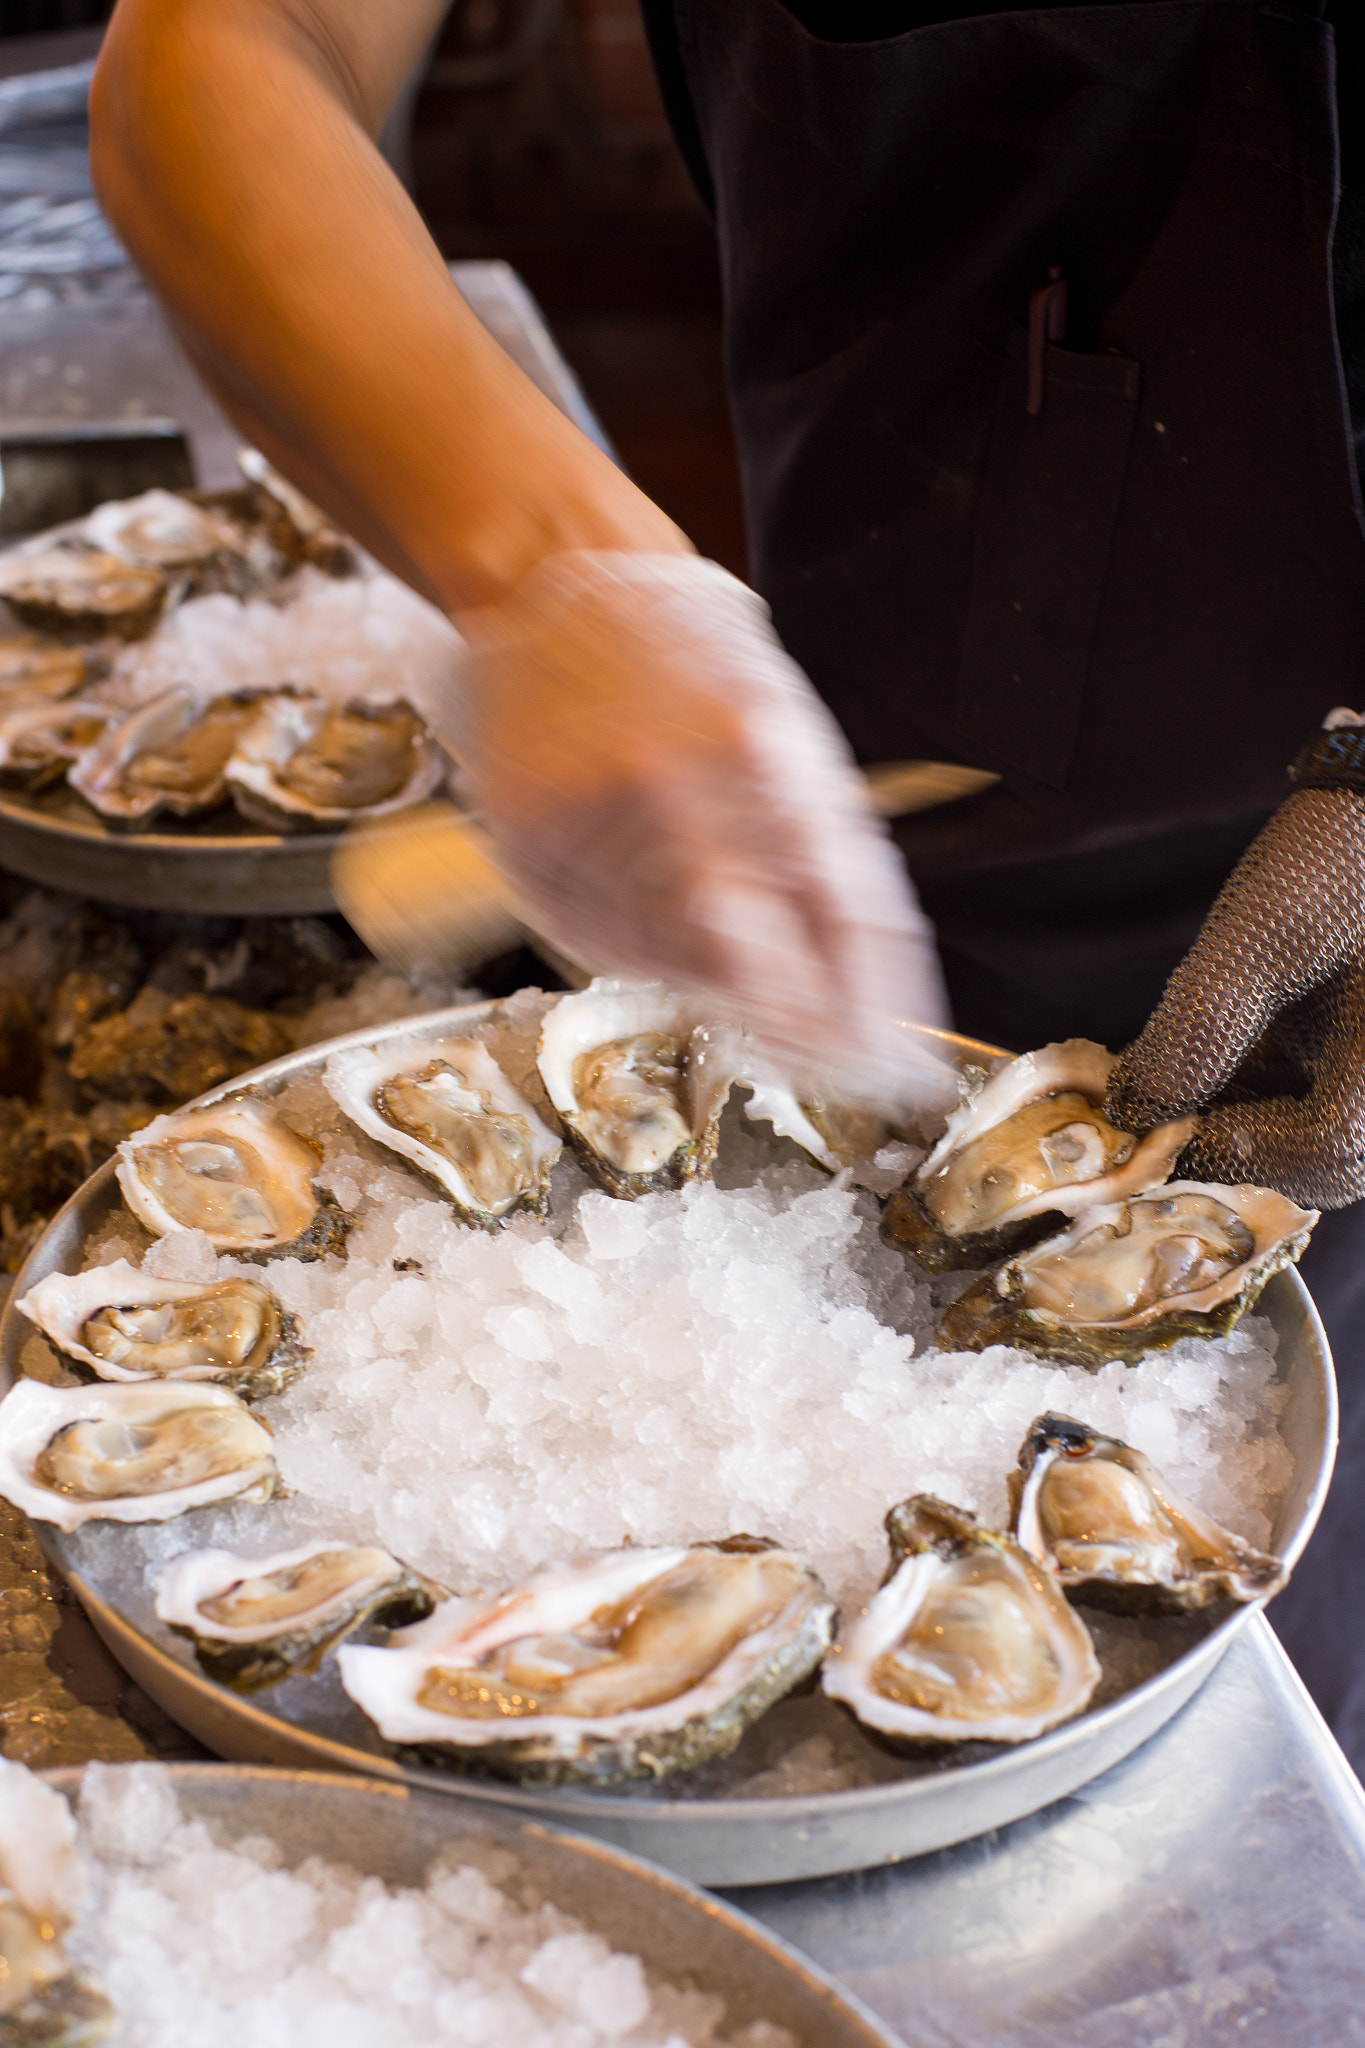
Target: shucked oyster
{"type": "Point", "coordinates": [633, 1664]}
{"type": "Point", "coordinates": [1101, 1515]}
{"type": "Point", "coordinates": [126, 1325]}
{"type": "Point", "coordinates": [33, 666]}
{"type": "Point", "coordinates": [639, 1079]}
{"type": "Point", "coordinates": [128, 1454]}
{"type": "Point", "coordinates": [445, 1104]}
{"type": "Point", "coordinates": [170, 755]}
{"type": "Point", "coordinates": [257, 1620]}
{"type": "Point", "coordinates": [969, 1639]}
{"type": "Point", "coordinates": [75, 588]}
{"type": "Point", "coordinates": [1186, 1260]}
{"type": "Point", "coordinates": [236, 1171]}
{"type": "Point", "coordinates": [1034, 1144]}
{"type": "Point", "coordinates": [831, 1130]}
{"type": "Point", "coordinates": [307, 764]}
{"type": "Point", "coordinates": [39, 741]}
{"type": "Point", "coordinates": [45, 2000]}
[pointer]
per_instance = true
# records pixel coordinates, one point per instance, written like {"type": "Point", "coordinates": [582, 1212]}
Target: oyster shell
{"type": "Point", "coordinates": [236, 1171]}
{"type": "Point", "coordinates": [171, 755]}
{"type": "Point", "coordinates": [32, 666]}
{"type": "Point", "coordinates": [969, 1639]}
{"type": "Point", "coordinates": [1032, 1145]}
{"type": "Point", "coordinates": [69, 586]}
{"type": "Point", "coordinates": [1102, 1517]}
{"type": "Point", "coordinates": [639, 1079]}
{"type": "Point", "coordinates": [39, 741]}
{"type": "Point", "coordinates": [446, 1105]}
{"type": "Point", "coordinates": [71, 1455]}
{"type": "Point", "coordinates": [257, 1620]}
{"type": "Point", "coordinates": [45, 2000]}
{"type": "Point", "coordinates": [125, 1325]}
{"type": "Point", "coordinates": [633, 1664]}
{"type": "Point", "coordinates": [1186, 1260]}
{"type": "Point", "coordinates": [834, 1132]}
{"type": "Point", "coordinates": [307, 764]}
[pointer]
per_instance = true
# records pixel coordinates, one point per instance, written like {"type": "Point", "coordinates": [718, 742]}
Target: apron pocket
{"type": "Point", "coordinates": [1045, 525]}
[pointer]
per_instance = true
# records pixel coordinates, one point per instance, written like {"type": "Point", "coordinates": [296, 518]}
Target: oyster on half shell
{"type": "Point", "coordinates": [1101, 1515]}
{"type": "Point", "coordinates": [307, 764]}
{"type": "Point", "coordinates": [39, 741]}
{"type": "Point", "coordinates": [629, 1665]}
{"type": "Point", "coordinates": [256, 1620]}
{"type": "Point", "coordinates": [141, 1453]}
{"type": "Point", "coordinates": [236, 1171]}
{"type": "Point", "coordinates": [830, 1129]}
{"type": "Point", "coordinates": [969, 1639]}
{"type": "Point", "coordinates": [125, 1325]}
{"type": "Point", "coordinates": [446, 1105]}
{"type": "Point", "coordinates": [1186, 1260]}
{"type": "Point", "coordinates": [639, 1079]}
{"type": "Point", "coordinates": [1032, 1145]}
{"type": "Point", "coordinates": [70, 587]}
{"type": "Point", "coordinates": [170, 755]}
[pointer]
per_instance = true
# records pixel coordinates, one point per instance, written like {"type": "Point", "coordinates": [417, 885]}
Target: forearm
{"type": "Point", "coordinates": [230, 148]}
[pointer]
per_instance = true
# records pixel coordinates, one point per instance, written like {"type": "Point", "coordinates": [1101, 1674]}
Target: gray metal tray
{"type": "Point", "coordinates": [394, 1832]}
{"type": "Point", "coordinates": [707, 1825]}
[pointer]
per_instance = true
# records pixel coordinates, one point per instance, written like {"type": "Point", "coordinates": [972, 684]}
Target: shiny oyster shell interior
{"type": "Point", "coordinates": [632, 1664]}
{"type": "Point", "coordinates": [1031, 1145]}
{"type": "Point", "coordinates": [446, 1105]}
{"type": "Point", "coordinates": [236, 1171]}
{"type": "Point", "coordinates": [126, 1325]}
{"type": "Point", "coordinates": [833, 1131]}
{"type": "Point", "coordinates": [255, 1621]}
{"type": "Point", "coordinates": [968, 1640]}
{"type": "Point", "coordinates": [39, 741]}
{"type": "Point", "coordinates": [73, 587]}
{"type": "Point", "coordinates": [142, 1453]}
{"type": "Point", "coordinates": [170, 755]}
{"type": "Point", "coordinates": [1117, 1535]}
{"type": "Point", "coordinates": [307, 763]}
{"type": "Point", "coordinates": [45, 1999]}
{"type": "Point", "coordinates": [1186, 1260]}
{"type": "Point", "coordinates": [639, 1079]}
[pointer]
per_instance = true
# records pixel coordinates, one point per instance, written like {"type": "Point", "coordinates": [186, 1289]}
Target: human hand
{"type": "Point", "coordinates": [671, 800]}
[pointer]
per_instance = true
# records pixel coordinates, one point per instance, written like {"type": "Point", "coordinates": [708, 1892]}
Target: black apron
{"type": "Point", "coordinates": [1043, 432]}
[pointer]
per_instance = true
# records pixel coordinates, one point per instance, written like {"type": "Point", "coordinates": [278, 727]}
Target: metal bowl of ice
{"type": "Point", "coordinates": [222, 1899]}
{"type": "Point", "coordinates": [745, 1355]}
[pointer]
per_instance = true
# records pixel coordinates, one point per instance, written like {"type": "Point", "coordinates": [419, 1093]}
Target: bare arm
{"type": "Point", "coordinates": [232, 144]}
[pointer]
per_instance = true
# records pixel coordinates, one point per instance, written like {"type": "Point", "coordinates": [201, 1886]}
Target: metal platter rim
{"type": "Point", "coordinates": [90, 832]}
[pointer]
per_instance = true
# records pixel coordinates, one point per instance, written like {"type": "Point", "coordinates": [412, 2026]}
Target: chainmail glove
{"type": "Point", "coordinates": [1262, 1025]}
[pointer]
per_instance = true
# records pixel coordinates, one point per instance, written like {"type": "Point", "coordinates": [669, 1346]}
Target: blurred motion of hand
{"type": "Point", "coordinates": [670, 799]}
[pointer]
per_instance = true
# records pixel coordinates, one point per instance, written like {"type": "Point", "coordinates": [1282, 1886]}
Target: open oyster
{"type": "Point", "coordinates": [46, 2001]}
{"type": "Point", "coordinates": [128, 1454]}
{"type": "Point", "coordinates": [33, 666]}
{"type": "Point", "coordinates": [445, 1104]}
{"type": "Point", "coordinates": [832, 1131]}
{"type": "Point", "coordinates": [969, 1639]}
{"type": "Point", "coordinates": [39, 741]}
{"type": "Point", "coordinates": [236, 1171]}
{"type": "Point", "coordinates": [639, 1079]}
{"type": "Point", "coordinates": [75, 588]}
{"type": "Point", "coordinates": [1117, 1536]}
{"type": "Point", "coordinates": [1186, 1260]}
{"type": "Point", "coordinates": [171, 755]}
{"type": "Point", "coordinates": [257, 1620]}
{"type": "Point", "coordinates": [126, 1325]}
{"type": "Point", "coordinates": [630, 1665]}
{"type": "Point", "coordinates": [1032, 1145]}
{"type": "Point", "coordinates": [307, 764]}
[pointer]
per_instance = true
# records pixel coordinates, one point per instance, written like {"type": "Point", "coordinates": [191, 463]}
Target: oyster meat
{"type": "Point", "coordinates": [446, 1105]}
{"type": "Point", "coordinates": [1187, 1260]}
{"type": "Point", "coordinates": [46, 2001]}
{"type": "Point", "coordinates": [257, 1620]}
{"type": "Point", "coordinates": [633, 1664]}
{"type": "Point", "coordinates": [32, 666]}
{"type": "Point", "coordinates": [639, 1079]}
{"type": "Point", "coordinates": [236, 1171]}
{"type": "Point", "coordinates": [171, 755]}
{"type": "Point", "coordinates": [125, 1325]}
{"type": "Point", "coordinates": [39, 741]}
{"type": "Point", "coordinates": [1031, 1146]}
{"type": "Point", "coordinates": [969, 1639]}
{"type": "Point", "coordinates": [71, 587]}
{"type": "Point", "coordinates": [307, 764]}
{"type": "Point", "coordinates": [144, 1453]}
{"type": "Point", "coordinates": [1102, 1517]}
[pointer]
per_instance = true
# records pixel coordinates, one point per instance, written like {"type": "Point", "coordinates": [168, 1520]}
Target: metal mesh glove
{"type": "Point", "coordinates": [1262, 1025]}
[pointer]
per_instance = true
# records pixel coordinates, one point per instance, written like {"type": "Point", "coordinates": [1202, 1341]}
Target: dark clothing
{"type": "Point", "coordinates": [1109, 546]}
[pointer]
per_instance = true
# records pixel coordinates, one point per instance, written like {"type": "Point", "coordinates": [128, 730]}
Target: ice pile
{"type": "Point", "coordinates": [220, 1946]}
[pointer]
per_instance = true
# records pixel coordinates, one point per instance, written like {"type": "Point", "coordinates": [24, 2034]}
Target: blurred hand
{"type": "Point", "coordinates": [671, 799]}
{"type": "Point", "coordinates": [1262, 1026]}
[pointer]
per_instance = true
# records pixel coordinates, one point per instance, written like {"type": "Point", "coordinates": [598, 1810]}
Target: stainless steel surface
{"type": "Point", "coordinates": [903, 1808]}
{"type": "Point", "coordinates": [1207, 1893]}
{"type": "Point", "coordinates": [394, 1832]}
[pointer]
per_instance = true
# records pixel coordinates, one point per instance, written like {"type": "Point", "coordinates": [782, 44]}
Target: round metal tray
{"type": "Point", "coordinates": [224, 867]}
{"type": "Point", "coordinates": [702, 1825]}
{"type": "Point", "coordinates": [394, 1832]}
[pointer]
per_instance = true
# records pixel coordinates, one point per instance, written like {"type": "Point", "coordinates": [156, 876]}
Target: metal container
{"type": "Point", "coordinates": [705, 1826]}
{"type": "Point", "coordinates": [394, 1832]}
